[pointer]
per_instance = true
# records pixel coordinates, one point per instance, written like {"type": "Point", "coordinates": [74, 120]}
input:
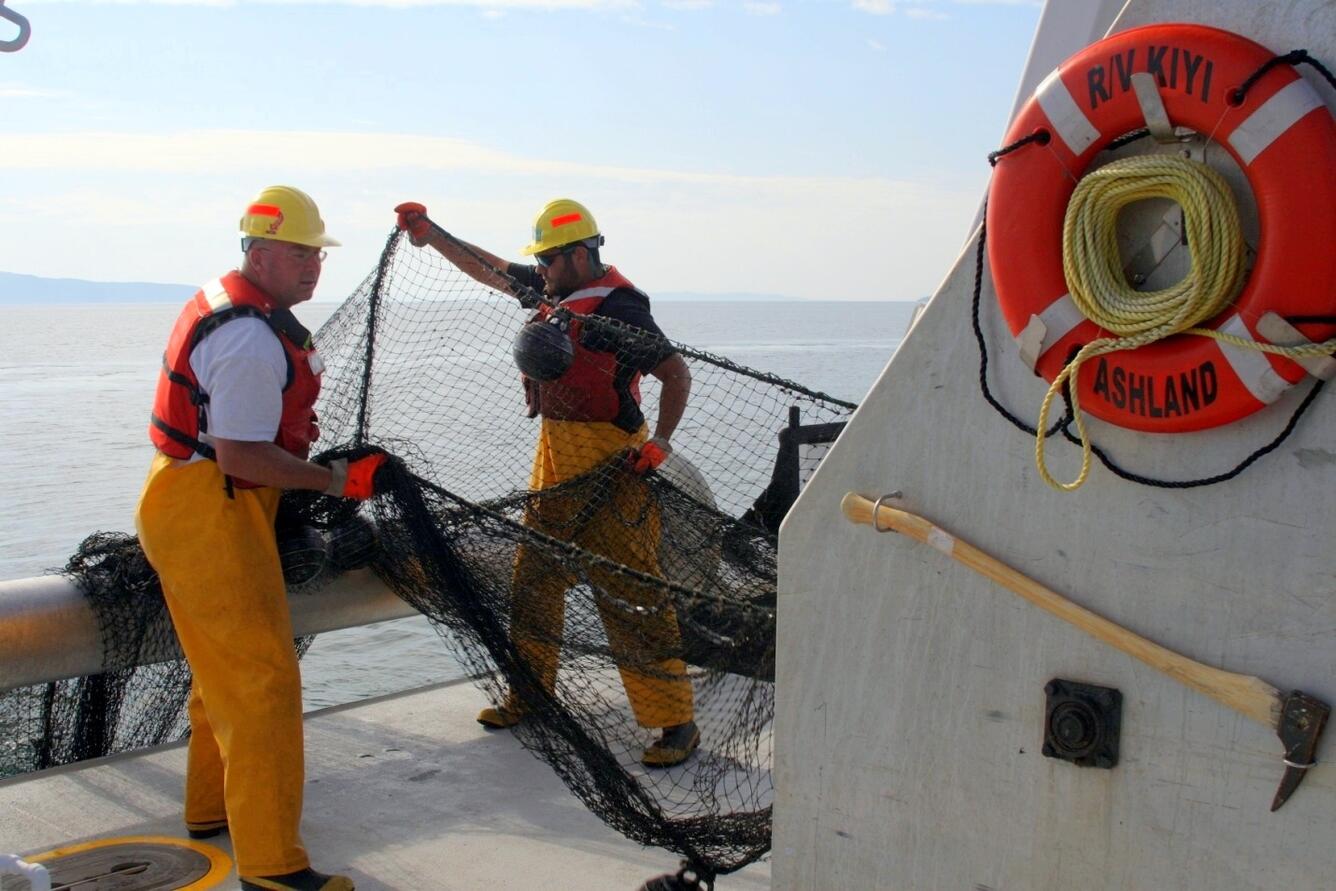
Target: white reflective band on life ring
{"type": "Point", "coordinates": [1269, 122]}
{"type": "Point", "coordinates": [1278, 331]}
{"type": "Point", "coordinates": [1053, 324]}
{"type": "Point", "coordinates": [1069, 122]}
{"type": "Point", "coordinates": [1251, 366]}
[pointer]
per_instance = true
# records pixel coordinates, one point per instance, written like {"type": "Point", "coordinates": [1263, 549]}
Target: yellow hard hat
{"type": "Point", "coordinates": [560, 223]}
{"type": "Point", "coordinates": [283, 213]}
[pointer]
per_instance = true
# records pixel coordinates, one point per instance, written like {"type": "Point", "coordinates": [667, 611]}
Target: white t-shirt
{"type": "Point", "coordinates": [242, 367]}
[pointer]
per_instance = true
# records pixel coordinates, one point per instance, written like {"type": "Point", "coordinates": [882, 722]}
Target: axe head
{"type": "Point", "coordinates": [1302, 718]}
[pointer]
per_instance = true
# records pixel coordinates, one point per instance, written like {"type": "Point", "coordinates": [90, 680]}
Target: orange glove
{"type": "Point", "coordinates": [356, 478]}
{"type": "Point", "coordinates": [649, 456]}
{"type": "Point", "coordinates": [413, 220]}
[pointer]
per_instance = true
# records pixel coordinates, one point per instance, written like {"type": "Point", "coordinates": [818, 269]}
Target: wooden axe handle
{"type": "Point", "coordinates": [1245, 694]}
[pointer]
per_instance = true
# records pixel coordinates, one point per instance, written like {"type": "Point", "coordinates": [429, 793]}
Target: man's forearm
{"type": "Point", "coordinates": [670, 413]}
{"type": "Point", "coordinates": [676, 379]}
{"type": "Point", "coordinates": [472, 264]}
{"type": "Point", "coordinates": [268, 465]}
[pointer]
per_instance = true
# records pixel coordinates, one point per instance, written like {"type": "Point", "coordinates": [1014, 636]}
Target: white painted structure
{"type": "Point", "coordinates": [910, 701]}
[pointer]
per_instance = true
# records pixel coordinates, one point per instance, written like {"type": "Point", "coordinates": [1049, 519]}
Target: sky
{"type": "Point", "coordinates": [824, 149]}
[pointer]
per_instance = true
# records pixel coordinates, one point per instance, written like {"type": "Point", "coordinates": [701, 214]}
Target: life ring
{"type": "Point", "coordinates": [1283, 137]}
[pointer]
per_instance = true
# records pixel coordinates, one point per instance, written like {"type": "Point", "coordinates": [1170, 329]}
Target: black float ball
{"type": "Point", "coordinates": [543, 351]}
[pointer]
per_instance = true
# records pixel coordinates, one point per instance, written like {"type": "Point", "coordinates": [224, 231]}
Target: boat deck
{"type": "Point", "coordinates": [402, 792]}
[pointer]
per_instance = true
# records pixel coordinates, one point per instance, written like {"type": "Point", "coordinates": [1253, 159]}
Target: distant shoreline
{"type": "Point", "coordinates": [18, 290]}
{"type": "Point", "coordinates": [18, 303]}
{"type": "Point", "coordinates": [32, 290]}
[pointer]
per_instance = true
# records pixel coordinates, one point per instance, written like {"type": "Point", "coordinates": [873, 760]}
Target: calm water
{"type": "Point", "coordinates": [78, 383]}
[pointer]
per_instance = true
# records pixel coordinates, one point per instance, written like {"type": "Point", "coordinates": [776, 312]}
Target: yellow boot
{"type": "Point", "coordinates": [501, 716]}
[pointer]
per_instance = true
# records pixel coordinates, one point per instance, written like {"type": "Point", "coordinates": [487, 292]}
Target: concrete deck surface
{"type": "Point", "coordinates": [402, 792]}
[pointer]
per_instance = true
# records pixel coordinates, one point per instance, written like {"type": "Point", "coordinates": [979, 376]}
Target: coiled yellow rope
{"type": "Point", "coordinates": [1093, 267]}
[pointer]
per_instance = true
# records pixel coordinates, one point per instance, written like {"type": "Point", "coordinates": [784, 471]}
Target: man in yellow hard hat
{"type": "Point", "coordinates": [233, 422]}
{"type": "Point", "coordinates": [584, 382]}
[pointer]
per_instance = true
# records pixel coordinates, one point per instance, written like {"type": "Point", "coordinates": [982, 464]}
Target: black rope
{"type": "Point", "coordinates": [527, 296]}
{"type": "Point", "coordinates": [983, 348]}
{"type": "Point", "coordinates": [1293, 57]}
{"type": "Point", "coordinates": [1204, 481]}
{"type": "Point", "coordinates": [1040, 137]}
{"type": "Point", "coordinates": [373, 313]}
{"type": "Point", "coordinates": [1236, 97]}
{"type": "Point", "coordinates": [626, 332]}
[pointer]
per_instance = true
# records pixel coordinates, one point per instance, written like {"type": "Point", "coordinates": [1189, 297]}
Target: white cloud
{"type": "Point", "coordinates": [180, 192]}
{"type": "Point", "coordinates": [687, 4]}
{"type": "Point", "coordinates": [642, 22]}
{"type": "Point", "coordinates": [19, 91]}
{"type": "Point", "coordinates": [876, 7]}
{"type": "Point", "coordinates": [754, 7]}
{"type": "Point", "coordinates": [206, 152]}
{"type": "Point", "coordinates": [876, 45]}
{"type": "Point", "coordinates": [923, 13]}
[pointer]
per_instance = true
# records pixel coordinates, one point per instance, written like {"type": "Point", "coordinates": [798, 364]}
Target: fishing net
{"type": "Point", "coordinates": [597, 606]}
{"type": "Point", "coordinates": [139, 698]}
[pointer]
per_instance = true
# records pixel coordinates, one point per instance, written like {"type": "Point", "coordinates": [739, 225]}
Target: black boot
{"type": "Point", "coordinates": [673, 747]}
{"type": "Point", "coordinates": [206, 830]}
{"type": "Point", "coordinates": [301, 880]}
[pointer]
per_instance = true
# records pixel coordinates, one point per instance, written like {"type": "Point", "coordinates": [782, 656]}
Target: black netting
{"type": "Point", "coordinates": [139, 699]}
{"type": "Point", "coordinates": [597, 605]}
{"type": "Point", "coordinates": [126, 706]}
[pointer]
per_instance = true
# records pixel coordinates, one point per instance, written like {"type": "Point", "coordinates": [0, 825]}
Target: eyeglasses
{"type": "Point", "coordinates": [303, 256]}
{"type": "Point", "coordinates": [546, 260]}
{"type": "Point", "coordinates": [296, 253]}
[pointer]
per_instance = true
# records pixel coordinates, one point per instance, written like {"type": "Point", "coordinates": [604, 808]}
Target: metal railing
{"type": "Point", "coordinates": [48, 631]}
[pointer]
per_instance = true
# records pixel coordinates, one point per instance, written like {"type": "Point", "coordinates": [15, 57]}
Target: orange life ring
{"type": "Point", "coordinates": [1283, 137]}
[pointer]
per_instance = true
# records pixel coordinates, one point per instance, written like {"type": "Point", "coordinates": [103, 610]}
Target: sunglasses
{"type": "Point", "coordinates": [546, 260]}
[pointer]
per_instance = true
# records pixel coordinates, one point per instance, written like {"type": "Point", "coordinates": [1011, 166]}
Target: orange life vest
{"type": "Point", "coordinates": [591, 390]}
{"type": "Point", "coordinates": [178, 418]}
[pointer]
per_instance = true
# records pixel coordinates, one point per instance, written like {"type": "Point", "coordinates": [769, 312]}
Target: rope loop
{"type": "Point", "coordinates": [1092, 265]}
{"type": "Point", "coordinates": [1041, 137]}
